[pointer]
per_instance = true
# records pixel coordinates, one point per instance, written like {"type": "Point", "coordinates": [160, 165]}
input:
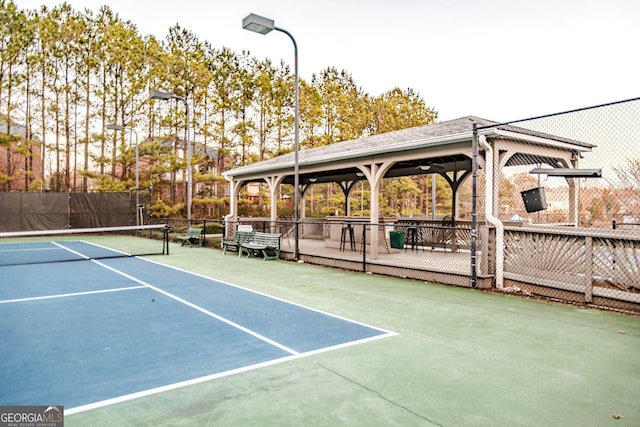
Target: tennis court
{"type": "Point", "coordinates": [460, 357]}
{"type": "Point", "coordinates": [110, 328]}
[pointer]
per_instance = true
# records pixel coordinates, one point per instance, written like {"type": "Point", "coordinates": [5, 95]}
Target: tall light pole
{"type": "Point", "coordinates": [132, 131]}
{"type": "Point", "coordinates": [262, 25]}
{"type": "Point", "coordinates": [156, 94]}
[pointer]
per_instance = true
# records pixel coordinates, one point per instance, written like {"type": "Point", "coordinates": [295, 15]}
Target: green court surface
{"type": "Point", "coordinates": [461, 358]}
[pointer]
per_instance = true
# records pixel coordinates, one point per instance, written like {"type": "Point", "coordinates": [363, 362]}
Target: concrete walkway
{"type": "Point", "coordinates": [461, 358]}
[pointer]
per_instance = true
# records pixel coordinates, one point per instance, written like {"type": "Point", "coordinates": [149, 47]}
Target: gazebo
{"type": "Point", "coordinates": [444, 148]}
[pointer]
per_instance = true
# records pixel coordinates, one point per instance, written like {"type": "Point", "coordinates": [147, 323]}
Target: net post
{"type": "Point", "coordinates": [165, 245]}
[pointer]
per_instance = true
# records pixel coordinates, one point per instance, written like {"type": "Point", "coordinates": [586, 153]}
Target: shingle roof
{"type": "Point", "coordinates": [440, 133]}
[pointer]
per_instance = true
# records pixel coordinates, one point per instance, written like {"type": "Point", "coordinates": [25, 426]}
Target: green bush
{"type": "Point", "coordinates": [213, 228]}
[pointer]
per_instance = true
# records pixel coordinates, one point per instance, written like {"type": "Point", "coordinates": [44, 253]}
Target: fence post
{"type": "Point", "coordinates": [474, 207]}
{"type": "Point", "coordinates": [588, 269]}
{"type": "Point", "coordinates": [224, 228]}
{"type": "Point", "coordinates": [204, 232]}
{"type": "Point", "coordinates": [364, 248]}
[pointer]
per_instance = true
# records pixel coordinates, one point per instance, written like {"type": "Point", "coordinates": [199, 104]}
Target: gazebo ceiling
{"type": "Point", "coordinates": [438, 164]}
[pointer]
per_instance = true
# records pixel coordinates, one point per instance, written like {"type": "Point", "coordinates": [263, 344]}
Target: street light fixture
{"type": "Point", "coordinates": [261, 25]}
{"type": "Point", "coordinates": [132, 131]}
{"type": "Point", "coordinates": [167, 96]}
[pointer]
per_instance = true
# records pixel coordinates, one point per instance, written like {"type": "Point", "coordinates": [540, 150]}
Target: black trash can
{"type": "Point", "coordinates": [397, 239]}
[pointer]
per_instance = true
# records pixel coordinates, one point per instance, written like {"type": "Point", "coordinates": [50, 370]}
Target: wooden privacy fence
{"type": "Point", "coordinates": [587, 265]}
{"type": "Point", "coordinates": [597, 267]}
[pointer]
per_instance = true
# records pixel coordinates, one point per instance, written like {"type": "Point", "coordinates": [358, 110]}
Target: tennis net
{"type": "Point", "coordinates": [35, 247]}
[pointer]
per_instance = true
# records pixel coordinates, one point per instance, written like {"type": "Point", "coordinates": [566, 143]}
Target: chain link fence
{"type": "Point", "coordinates": [565, 237]}
{"type": "Point", "coordinates": [585, 251]}
{"type": "Point", "coordinates": [614, 132]}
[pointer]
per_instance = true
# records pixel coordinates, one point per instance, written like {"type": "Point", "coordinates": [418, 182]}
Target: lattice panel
{"type": "Point", "coordinates": [546, 254]}
{"type": "Point", "coordinates": [617, 262]}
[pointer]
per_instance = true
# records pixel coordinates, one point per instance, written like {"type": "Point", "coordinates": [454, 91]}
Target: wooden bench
{"type": "Point", "coordinates": [266, 243]}
{"type": "Point", "coordinates": [241, 237]}
{"type": "Point", "coordinates": [194, 235]}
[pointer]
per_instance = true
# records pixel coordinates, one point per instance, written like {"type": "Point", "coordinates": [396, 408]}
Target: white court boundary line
{"type": "Point", "coordinates": [335, 316]}
{"type": "Point", "coordinates": [30, 250]}
{"type": "Point", "coordinates": [194, 381]}
{"type": "Point", "coordinates": [70, 250]}
{"type": "Point", "coordinates": [294, 355]}
{"type": "Point", "coordinates": [200, 309]}
{"type": "Point", "coordinates": [57, 246]}
{"type": "Point", "coordinates": [73, 294]}
{"type": "Point", "coordinates": [199, 380]}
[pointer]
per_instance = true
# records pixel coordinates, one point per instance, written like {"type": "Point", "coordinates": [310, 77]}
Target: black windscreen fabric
{"type": "Point", "coordinates": [33, 211]}
{"type": "Point", "coordinates": [57, 211]}
{"type": "Point", "coordinates": [101, 210]}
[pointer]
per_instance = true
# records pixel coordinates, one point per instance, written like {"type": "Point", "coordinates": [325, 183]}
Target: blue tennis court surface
{"type": "Point", "coordinates": [86, 334]}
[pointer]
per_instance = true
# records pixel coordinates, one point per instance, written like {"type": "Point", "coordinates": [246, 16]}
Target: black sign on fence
{"type": "Point", "coordinates": [534, 200]}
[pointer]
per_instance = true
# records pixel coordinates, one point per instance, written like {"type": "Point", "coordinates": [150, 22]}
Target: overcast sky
{"type": "Point", "coordinates": [497, 59]}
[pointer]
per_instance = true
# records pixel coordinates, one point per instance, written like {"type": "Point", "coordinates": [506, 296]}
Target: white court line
{"type": "Point", "coordinates": [293, 354]}
{"type": "Point", "coordinates": [57, 247]}
{"type": "Point", "coordinates": [335, 316]}
{"type": "Point", "coordinates": [70, 250]}
{"type": "Point", "coordinates": [75, 294]}
{"type": "Point", "coordinates": [169, 387]}
{"type": "Point", "coordinates": [202, 310]}
{"type": "Point", "coordinates": [94, 244]}
{"type": "Point", "coordinates": [30, 250]}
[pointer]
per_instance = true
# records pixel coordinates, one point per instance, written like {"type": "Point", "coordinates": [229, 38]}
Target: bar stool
{"type": "Point", "coordinates": [347, 231]}
{"type": "Point", "coordinates": [414, 238]}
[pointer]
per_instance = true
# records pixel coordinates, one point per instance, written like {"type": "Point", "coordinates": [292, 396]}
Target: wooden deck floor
{"type": "Point", "coordinates": [434, 265]}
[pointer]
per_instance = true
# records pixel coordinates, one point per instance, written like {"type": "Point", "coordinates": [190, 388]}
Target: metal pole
{"type": "Point", "coordinates": [137, 178]}
{"type": "Point", "coordinates": [296, 171]}
{"type": "Point", "coordinates": [262, 25]}
{"type": "Point", "coordinates": [474, 207]}
{"type": "Point", "coordinates": [189, 179]}
{"type": "Point", "coordinates": [433, 196]}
